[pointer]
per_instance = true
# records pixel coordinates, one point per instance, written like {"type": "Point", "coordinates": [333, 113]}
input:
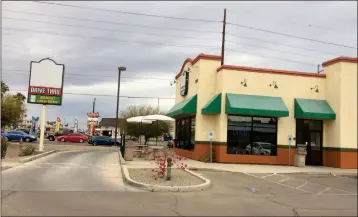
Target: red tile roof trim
{"type": "Point", "coordinates": [193, 61]}
{"type": "Point", "coordinates": [271, 71]}
{"type": "Point", "coordinates": [340, 59]}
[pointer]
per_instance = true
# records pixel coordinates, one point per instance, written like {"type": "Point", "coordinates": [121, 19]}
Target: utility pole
{"type": "Point", "coordinates": [94, 104]}
{"type": "Point", "coordinates": [158, 106]}
{"type": "Point", "coordinates": [223, 39]}
{"type": "Point", "coordinates": [120, 69]}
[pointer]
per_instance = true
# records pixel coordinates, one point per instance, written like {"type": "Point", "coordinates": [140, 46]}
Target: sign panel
{"type": "Point", "coordinates": [184, 80]}
{"type": "Point", "coordinates": [290, 139]}
{"type": "Point", "coordinates": [211, 135]}
{"type": "Point", "coordinates": [93, 114]}
{"type": "Point", "coordinates": [46, 82]}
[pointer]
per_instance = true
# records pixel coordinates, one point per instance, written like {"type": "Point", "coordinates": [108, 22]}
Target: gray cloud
{"type": "Point", "coordinates": [97, 59]}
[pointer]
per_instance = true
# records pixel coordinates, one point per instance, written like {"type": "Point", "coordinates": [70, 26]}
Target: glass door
{"type": "Point", "coordinates": [314, 149]}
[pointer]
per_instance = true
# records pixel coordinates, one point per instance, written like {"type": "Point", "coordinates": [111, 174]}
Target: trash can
{"type": "Point", "coordinates": [128, 152]}
{"type": "Point", "coordinates": [300, 155]}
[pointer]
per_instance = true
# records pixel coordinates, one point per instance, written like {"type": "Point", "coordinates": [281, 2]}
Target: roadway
{"type": "Point", "coordinates": [89, 183]}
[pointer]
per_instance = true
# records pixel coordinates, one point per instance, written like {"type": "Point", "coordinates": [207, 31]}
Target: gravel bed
{"type": "Point", "coordinates": [179, 178]}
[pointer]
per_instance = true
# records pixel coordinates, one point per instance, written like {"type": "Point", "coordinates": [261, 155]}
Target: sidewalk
{"type": "Point", "coordinates": [248, 168]}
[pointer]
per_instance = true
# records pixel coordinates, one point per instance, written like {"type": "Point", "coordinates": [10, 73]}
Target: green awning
{"type": "Point", "coordinates": [313, 109]}
{"type": "Point", "coordinates": [184, 108]}
{"type": "Point", "coordinates": [255, 105]}
{"type": "Point", "coordinates": [213, 106]}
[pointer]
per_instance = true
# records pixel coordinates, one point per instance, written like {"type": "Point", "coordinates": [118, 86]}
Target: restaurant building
{"type": "Point", "coordinates": [253, 112]}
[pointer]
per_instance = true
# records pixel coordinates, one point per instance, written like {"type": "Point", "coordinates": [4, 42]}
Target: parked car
{"type": "Point", "coordinates": [73, 137]}
{"type": "Point", "coordinates": [259, 148]}
{"type": "Point", "coordinates": [103, 140]}
{"type": "Point", "coordinates": [16, 135]}
{"type": "Point", "coordinates": [23, 130]}
{"type": "Point", "coordinates": [63, 132]}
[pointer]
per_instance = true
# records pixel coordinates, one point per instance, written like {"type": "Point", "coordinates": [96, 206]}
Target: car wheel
{"type": "Point", "coordinates": [63, 140]}
{"type": "Point", "coordinates": [95, 144]}
{"type": "Point", "coordinates": [27, 140]}
{"type": "Point", "coordinates": [51, 138]}
{"type": "Point", "coordinates": [81, 140]}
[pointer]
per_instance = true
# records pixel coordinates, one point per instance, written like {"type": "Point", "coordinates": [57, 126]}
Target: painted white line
{"type": "Point", "coordinates": [302, 185]}
{"type": "Point", "coordinates": [267, 176]}
{"type": "Point", "coordinates": [324, 190]}
{"type": "Point", "coordinates": [282, 180]}
{"type": "Point", "coordinates": [279, 183]}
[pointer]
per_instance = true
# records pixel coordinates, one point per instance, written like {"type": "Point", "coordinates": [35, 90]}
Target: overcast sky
{"type": "Point", "coordinates": [155, 55]}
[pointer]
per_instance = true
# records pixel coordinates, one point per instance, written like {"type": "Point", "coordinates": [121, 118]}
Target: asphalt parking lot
{"type": "Point", "coordinates": [302, 194]}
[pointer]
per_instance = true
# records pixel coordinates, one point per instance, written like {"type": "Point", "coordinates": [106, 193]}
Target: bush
{"type": "Point", "coordinates": [4, 145]}
{"type": "Point", "coordinates": [206, 157]}
{"type": "Point", "coordinates": [27, 150]}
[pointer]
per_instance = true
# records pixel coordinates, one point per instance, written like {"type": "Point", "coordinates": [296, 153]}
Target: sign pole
{"type": "Point", "coordinates": [290, 138]}
{"type": "Point", "coordinates": [42, 131]}
{"type": "Point", "coordinates": [211, 150]}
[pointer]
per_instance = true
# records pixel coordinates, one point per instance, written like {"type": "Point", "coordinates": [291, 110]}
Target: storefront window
{"type": "Point", "coordinates": [185, 133]}
{"type": "Point", "coordinates": [252, 135]}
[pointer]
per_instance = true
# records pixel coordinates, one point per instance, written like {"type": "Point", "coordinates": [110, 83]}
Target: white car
{"type": "Point", "coordinates": [259, 148]}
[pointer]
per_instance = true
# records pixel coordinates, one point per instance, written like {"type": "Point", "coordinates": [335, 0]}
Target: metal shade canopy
{"type": "Point", "coordinates": [158, 118]}
{"type": "Point", "coordinates": [138, 119]}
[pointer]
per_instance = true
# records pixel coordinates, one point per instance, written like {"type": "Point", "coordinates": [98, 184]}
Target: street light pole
{"type": "Point", "coordinates": [94, 104]}
{"type": "Point", "coordinates": [120, 69]}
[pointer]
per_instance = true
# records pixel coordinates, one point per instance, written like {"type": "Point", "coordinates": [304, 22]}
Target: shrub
{"type": "Point", "coordinates": [162, 162]}
{"type": "Point", "coordinates": [206, 157]}
{"type": "Point", "coordinates": [4, 145]}
{"type": "Point", "coordinates": [27, 150]}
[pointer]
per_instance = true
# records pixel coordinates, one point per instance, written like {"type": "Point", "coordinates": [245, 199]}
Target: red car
{"type": "Point", "coordinates": [73, 137]}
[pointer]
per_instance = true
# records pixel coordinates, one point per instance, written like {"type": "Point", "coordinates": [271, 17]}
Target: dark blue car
{"type": "Point", "coordinates": [16, 135]}
{"type": "Point", "coordinates": [103, 140]}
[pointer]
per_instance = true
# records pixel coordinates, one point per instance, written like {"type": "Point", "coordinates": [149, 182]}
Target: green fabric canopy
{"type": "Point", "coordinates": [255, 105]}
{"type": "Point", "coordinates": [313, 109]}
{"type": "Point", "coordinates": [213, 106]}
{"type": "Point", "coordinates": [184, 108]}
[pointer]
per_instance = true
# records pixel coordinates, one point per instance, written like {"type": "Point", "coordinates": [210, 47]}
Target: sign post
{"type": "Point", "coordinates": [211, 136]}
{"type": "Point", "coordinates": [290, 139]}
{"type": "Point", "coordinates": [45, 87]}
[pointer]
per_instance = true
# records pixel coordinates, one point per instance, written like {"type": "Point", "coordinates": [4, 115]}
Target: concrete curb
{"type": "Point", "coordinates": [350, 173]}
{"type": "Point", "coordinates": [157, 188]}
{"type": "Point", "coordinates": [31, 158]}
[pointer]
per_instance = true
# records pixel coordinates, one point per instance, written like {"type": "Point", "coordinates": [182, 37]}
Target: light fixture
{"type": "Point", "coordinates": [315, 88]}
{"type": "Point", "coordinates": [243, 83]}
{"type": "Point", "coordinates": [196, 80]}
{"type": "Point", "coordinates": [274, 85]}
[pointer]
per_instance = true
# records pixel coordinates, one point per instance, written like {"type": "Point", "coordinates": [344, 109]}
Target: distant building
{"type": "Point", "coordinates": [107, 127]}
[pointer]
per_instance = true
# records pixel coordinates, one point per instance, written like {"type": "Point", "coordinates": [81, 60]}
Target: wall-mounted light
{"type": "Point", "coordinates": [173, 82]}
{"type": "Point", "coordinates": [274, 85]}
{"type": "Point", "coordinates": [196, 80]}
{"type": "Point", "coordinates": [315, 88]}
{"type": "Point", "coordinates": [244, 83]}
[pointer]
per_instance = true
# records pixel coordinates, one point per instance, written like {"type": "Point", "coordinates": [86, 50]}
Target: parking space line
{"type": "Point", "coordinates": [267, 176]}
{"type": "Point", "coordinates": [282, 180]}
{"type": "Point", "coordinates": [324, 190]}
{"type": "Point", "coordinates": [302, 185]}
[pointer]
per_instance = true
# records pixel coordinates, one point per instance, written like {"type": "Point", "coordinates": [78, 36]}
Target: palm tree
{"type": "Point", "coordinates": [20, 97]}
{"type": "Point", "coordinates": [4, 88]}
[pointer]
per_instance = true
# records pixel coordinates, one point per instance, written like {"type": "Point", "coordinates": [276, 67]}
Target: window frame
{"type": "Point", "coordinates": [252, 134]}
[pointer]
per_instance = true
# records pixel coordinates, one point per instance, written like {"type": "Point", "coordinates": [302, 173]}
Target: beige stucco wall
{"type": "Point", "coordinates": [349, 105]}
{"type": "Point", "coordinates": [289, 87]}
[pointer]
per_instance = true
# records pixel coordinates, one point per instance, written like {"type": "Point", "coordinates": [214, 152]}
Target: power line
{"type": "Point", "coordinates": [112, 30]}
{"type": "Point", "coordinates": [276, 58]}
{"type": "Point", "coordinates": [111, 22]}
{"type": "Point", "coordinates": [131, 41]}
{"type": "Point", "coordinates": [304, 55]}
{"type": "Point", "coordinates": [289, 35]}
{"type": "Point", "coordinates": [276, 43]}
{"type": "Point", "coordinates": [105, 95]}
{"type": "Point", "coordinates": [107, 38]}
{"type": "Point", "coordinates": [108, 76]}
{"type": "Point", "coordinates": [130, 13]}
